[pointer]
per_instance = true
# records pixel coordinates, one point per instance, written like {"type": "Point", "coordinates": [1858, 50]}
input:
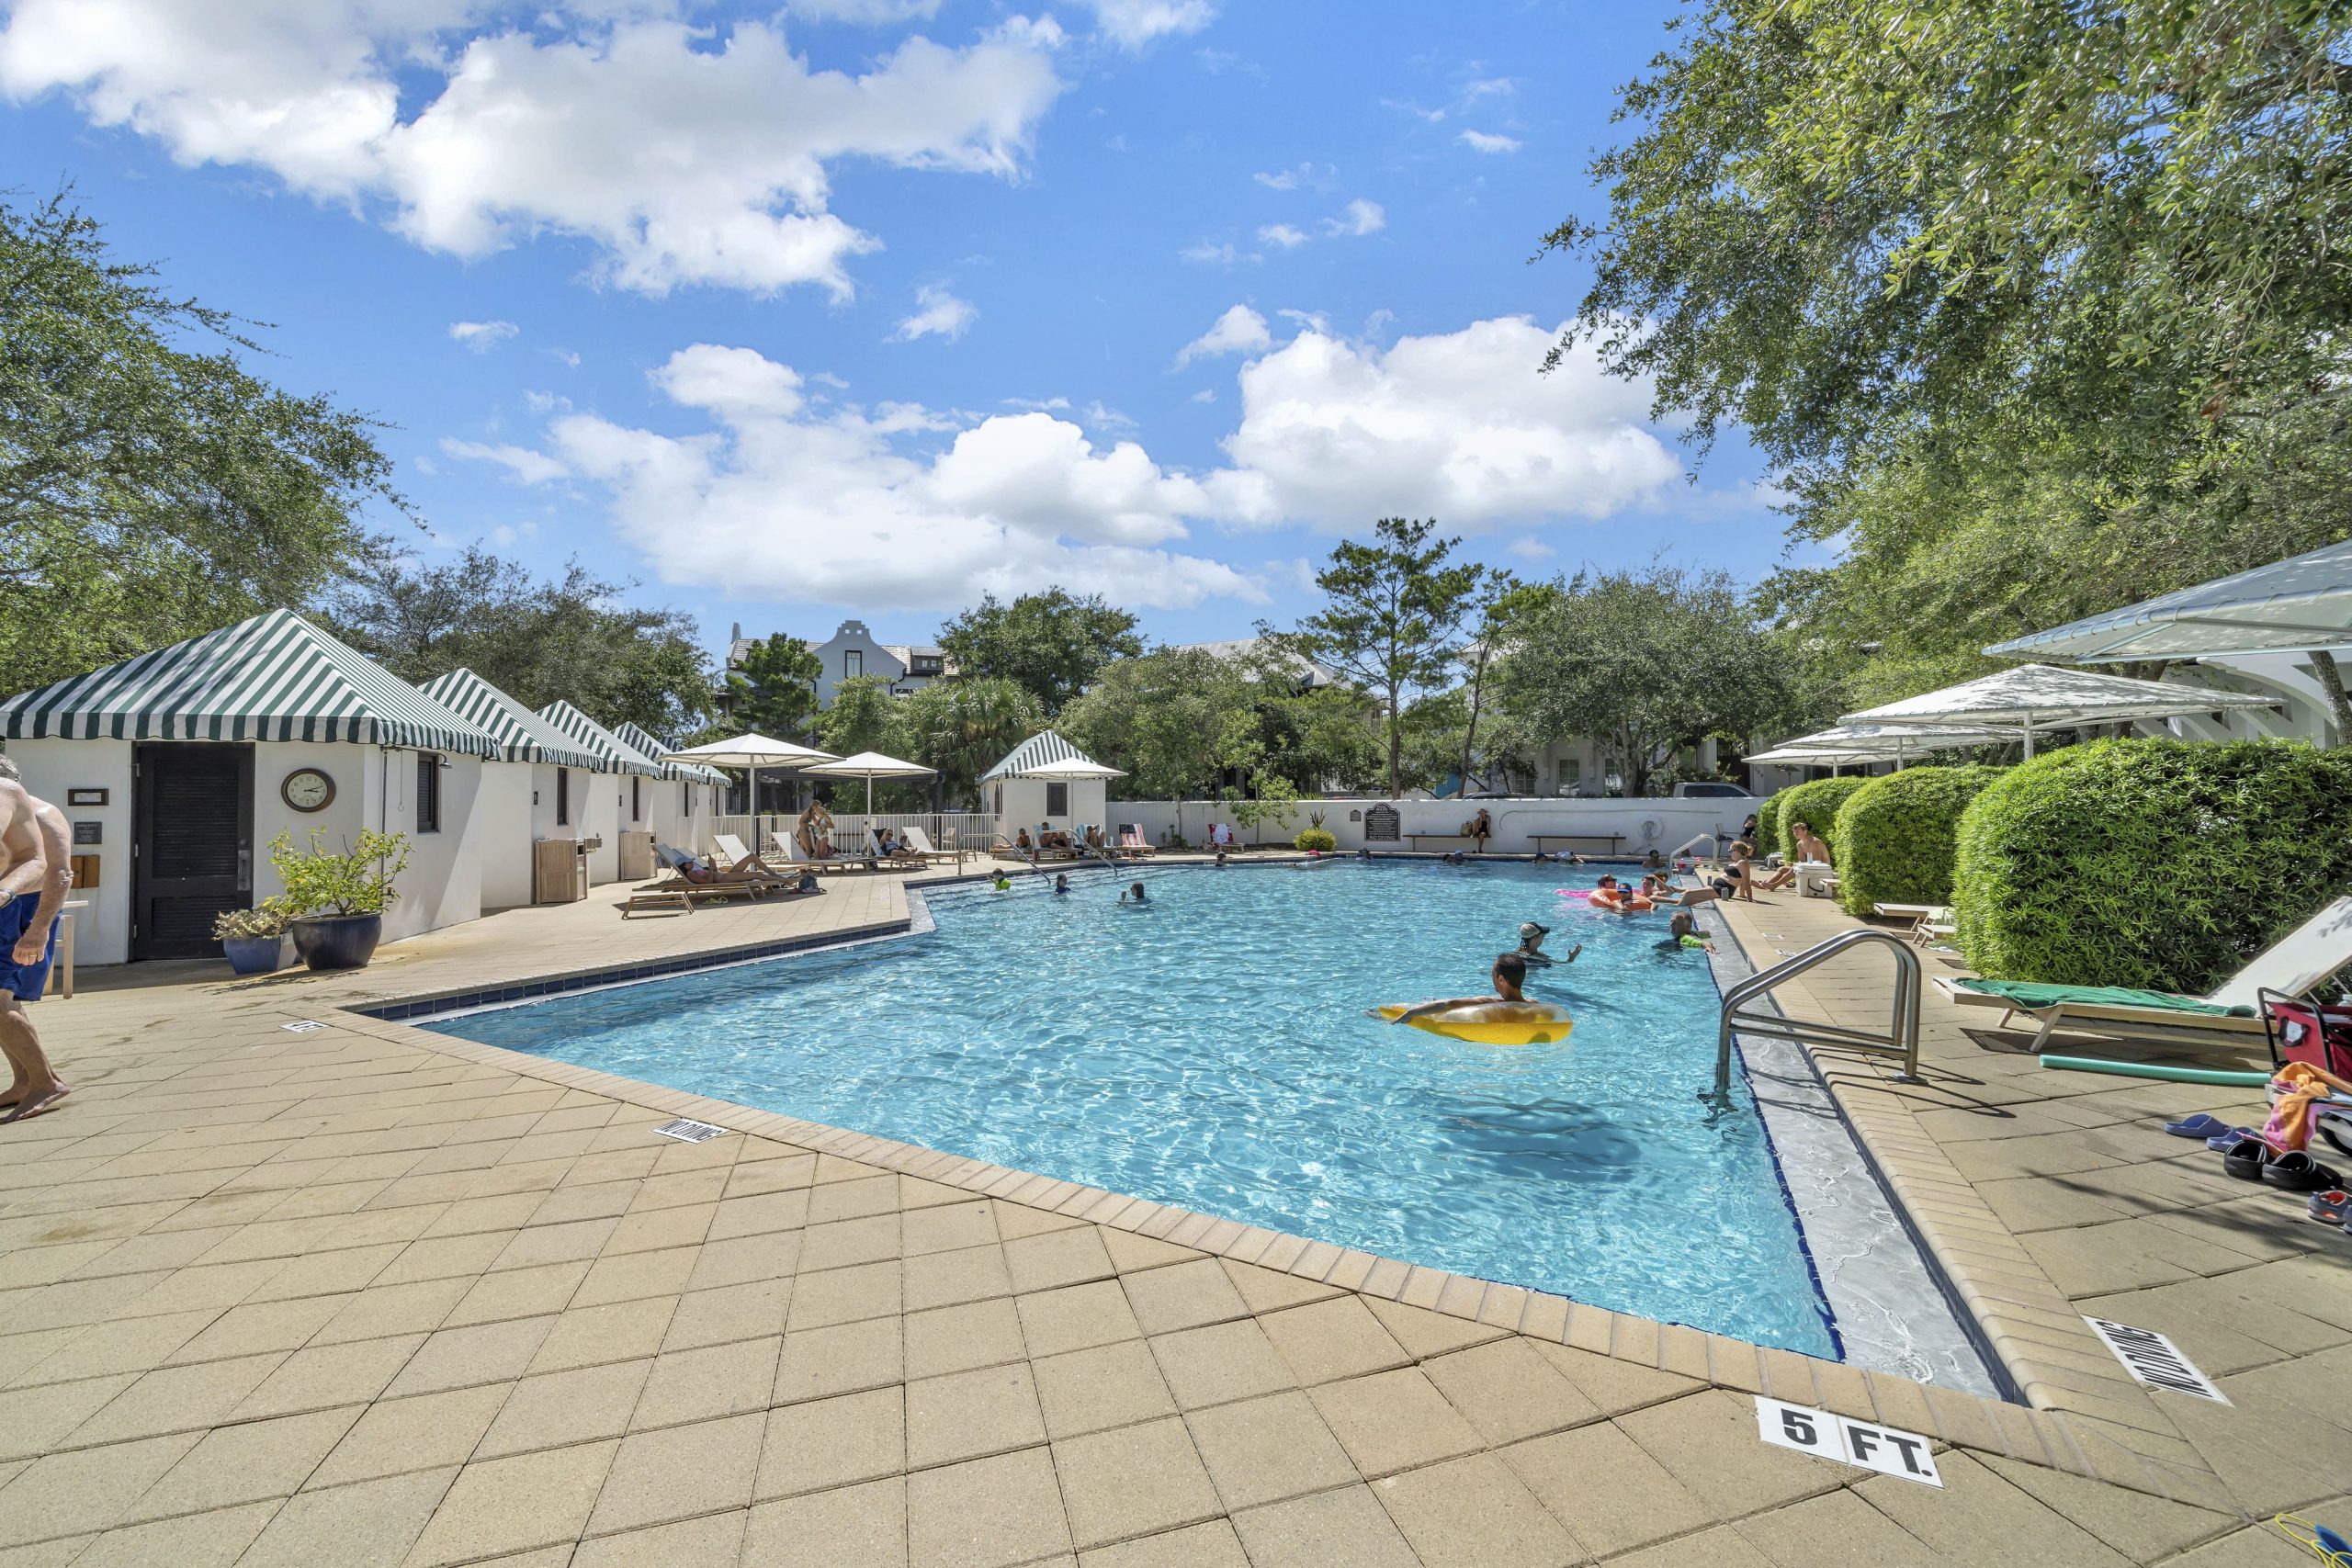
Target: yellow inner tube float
{"type": "Point", "coordinates": [1492, 1023]}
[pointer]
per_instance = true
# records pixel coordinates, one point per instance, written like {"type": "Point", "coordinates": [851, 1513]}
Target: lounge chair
{"type": "Point", "coordinates": [840, 863]}
{"type": "Point", "coordinates": [2231, 1015]}
{"type": "Point", "coordinates": [1132, 842]}
{"type": "Point", "coordinates": [1930, 923]}
{"type": "Point", "coordinates": [1221, 837]}
{"type": "Point", "coordinates": [690, 882]}
{"type": "Point", "coordinates": [918, 842]}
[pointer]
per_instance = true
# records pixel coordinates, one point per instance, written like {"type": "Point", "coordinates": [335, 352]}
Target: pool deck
{"type": "Point", "coordinates": [363, 1295]}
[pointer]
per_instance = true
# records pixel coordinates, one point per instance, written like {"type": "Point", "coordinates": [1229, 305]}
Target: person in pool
{"type": "Point", "coordinates": [1134, 895]}
{"type": "Point", "coordinates": [1003, 882]}
{"type": "Point", "coordinates": [1220, 860]}
{"type": "Point", "coordinates": [1531, 947]}
{"type": "Point", "coordinates": [1683, 931]}
{"type": "Point", "coordinates": [1061, 882]}
{"type": "Point", "coordinates": [1508, 976]}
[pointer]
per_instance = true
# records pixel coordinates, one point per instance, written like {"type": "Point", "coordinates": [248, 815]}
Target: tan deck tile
{"type": "Point", "coordinates": [950, 1278]}
{"type": "Point", "coordinates": [428, 1432]}
{"type": "Point", "coordinates": [1210, 1545]}
{"type": "Point", "coordinates": [243, 1464]}
{"type": "Point", "coordinates": [1836, 1527]}
{"type": "Point", "coordinates": [957, 1338]}
{"type": "Point", "coordinates": [949, 1225]}
{"type": "Point", "coordinates": [632, 1276]}
{"type": "Point", "coordinates": [864, 1525]}
{"type": "Point", "coordinates": [560, 1409]}
{"type": "Point", "coordinates": [1054, 1258]}
{"type": "Point", "coordinates": [1262, 1450]}
{"type": "Point", "coordinates": [1184, 1295]}
{"type": "Point", "coordinates": [1474, 1513]}
{"type": "Point", "coordinates": [1076, 1317]}
{"type": "Point", "coordinates": [852, 1196]}
{"type": "Point", "coordinates": [1707, 1442]}
{"type": "Point", "coordinates": [987, 1513]}
{"type": "Point", "coordinates": [509, 1506]}
{"type": "Point", "coordinates": [745, 1260]}
{"type": "Point", "coordinates": [576, 1241]}
{"type": "Point", "coordinates": [679, 1472]}
{"type": "Point", "coordinates": [214, 1539]}
{"type": "Point", "coordinates": [85, 1490]}
{"type": "Point", "coordinates": [822, 1444]}
{"type": "Point", "coordinates": [1341, 1529]}
{"type": "Point", "coordinates": [1995, 1520]}
{"type": "Point", "coordinates": [712, 1540]}
{"type": "Point", "coordinates": [176, 1399]}
{"type": "Point", "coordinates": [972, 1414]}
{"type": "Point", "coordinates": [1338, 1337]}
{"type": "Point", "coordinates": [1220, 1362]}
{"type": "Point", "coordinates": [819, 1363]}
{"type": "Point", "coordinates": [35, 1420]}
{"type": "Point", "coordinates": [1111, 1385]}
{"type": "Point", "coordinates": [324, 1376]}
{"type": "Point", "coordinates": [1134, 1254]}
{"type": "Point", "coordinates": [750, 1310]}
{"type": "Point", "coordinates": [658, 1229]}
{"type": "Point", "coordinates": [1607, 1490]}
{"type": "Point", "coordinates": [361, 1526]}
{"type": "Point", "coordinates": [845, 1295]}
{"type": "Point", "coordinates": [841, 1244]}
{"type": "Point", "coordinates": [382, 1309]}
{"type": "Point", "coordinates": [517, 1293]}
{"type": "Point", "coordinates": [1133, 1481]}
{"type": "Point", "coordinates": [134, 1344]}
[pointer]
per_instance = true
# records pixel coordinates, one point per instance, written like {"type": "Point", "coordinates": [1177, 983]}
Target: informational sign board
{"type": "Point", "coordinates": [89, 833]}
{"type": "Point", "coordinates": [1381, 824]}
{"type": "Point", "coordinates": [1886, 1449]}
{"type": "Point", "coordinates": [2154, 1359]}
{"type": "Point", "coordinates": [687, 1131]}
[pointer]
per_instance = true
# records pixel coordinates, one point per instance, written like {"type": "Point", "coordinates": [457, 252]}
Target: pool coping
{"type": "Point", "coordinates": [2051, 1433]}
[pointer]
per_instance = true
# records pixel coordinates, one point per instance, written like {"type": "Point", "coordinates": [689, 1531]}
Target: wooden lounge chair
{"type": "Point", "coordinates": [1930, 923]}
{"type": "Point", "coordinates": [1132, 842]}
{"type": "Point", "coordinates": [2291, 965]}
{"type": "Point", "coordinates": [798, 858]}
{"type": "Point", "coordinates": [690, 883]}
{"type": "Point", "coordinates": [918, 842]}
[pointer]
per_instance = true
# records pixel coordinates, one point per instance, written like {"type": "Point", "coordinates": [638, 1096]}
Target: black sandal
{"type": "Point", "coordinates": [2298, 1172]}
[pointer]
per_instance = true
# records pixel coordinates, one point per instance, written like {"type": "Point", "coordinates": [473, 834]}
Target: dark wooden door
{"type": "Point", "coordinates": [192, 845]}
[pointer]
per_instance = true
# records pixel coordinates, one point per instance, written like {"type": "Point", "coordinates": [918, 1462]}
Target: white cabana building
{"type": "Point", "coordinates": [539, 768]}
{"type": "Point", "coordinates": [176, 769]}
{"type": "Point", "coordinates": [686, 809]}
{"type": "Point", "coordinates": [1036, 783]}
{"type": "Point", "coordinates": [614, 801]}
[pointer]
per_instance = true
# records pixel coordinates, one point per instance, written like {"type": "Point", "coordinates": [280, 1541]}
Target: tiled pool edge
{"type": "Point", "coordinates": [2033, 1436]}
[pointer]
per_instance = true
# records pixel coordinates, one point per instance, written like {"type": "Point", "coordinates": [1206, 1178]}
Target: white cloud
{"type": "Point", "coordinates": [1486, 142]}
{"type": "Point", "coordinates": [1210, 253]}
{"type": "Point", "coordinates": [1239, 331]}
{"type": "Point", "coordinates": [522, 464]}
{"type": "Point", "coordinates": [482, 336]}
{"type": "Point", "coordinates": [683, 154]}
{"type": "Point", "coordinates": [1527, 547]}
{"type": "Point", "coordinates": [1362, 216]}
{"type": "Point", "coordinates": [1459, 426]}
{"type": "Point", "coordinates": [777, 498]}
{"type": "Point", "coordinates": [1131, 24]}
{"type": "Point", "coordinates": [863, 13]}
{"type": "Point", "coordinates": [938, 313]}
{"type": "Point", "coordinates": [1283, 234]}
{"type": "Point", "coordinates": [1205, 395]}
{"type": "Point", "coordinates": [1306, 174]}
{"type": "Point", "coordinates": [1489, 88]}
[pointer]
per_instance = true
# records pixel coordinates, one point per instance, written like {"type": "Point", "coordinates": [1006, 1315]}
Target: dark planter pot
{"type": "Point", "coordinates": [338, 942]}
{"type": "Point", "coordinates": [254, 955]}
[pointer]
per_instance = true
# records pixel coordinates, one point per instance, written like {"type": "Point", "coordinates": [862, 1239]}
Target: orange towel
{"type": "Point", "coordinates": [2300, 1086]}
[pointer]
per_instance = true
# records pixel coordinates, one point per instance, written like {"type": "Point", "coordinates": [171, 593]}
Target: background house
{"type": "Point", "coordinates": [852, 651]}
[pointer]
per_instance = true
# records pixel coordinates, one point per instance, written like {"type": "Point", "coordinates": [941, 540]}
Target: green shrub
{"type": "Point", "coordinates": [1316, 839]}
{"type": "Point", "coordinates": [1768, 822]}
{"type": "Point", "coordinates": [1815, 805]}
{"type": "Point", "coordinates": [2157, 864]}
{"type": "Point", "coordinates": [1895, 836]}
{"type": "Point", "coordinates": [355, 881]}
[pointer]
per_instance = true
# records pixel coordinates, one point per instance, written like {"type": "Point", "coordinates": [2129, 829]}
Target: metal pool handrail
{"type": "Point", "coordinates": [1902, 1038]}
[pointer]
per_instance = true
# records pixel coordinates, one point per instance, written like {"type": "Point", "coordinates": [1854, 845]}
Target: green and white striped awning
{"type": "Point", "coordinates": [523, 735]}
{"type": "Point", "coordinates": [1039, 749]}
{"type": "Point", "coordinates": [276, 677]}
{"type": "Point", "coordinates": [653, 746]}
{"type": "Point", "coordinates": [617, 756]}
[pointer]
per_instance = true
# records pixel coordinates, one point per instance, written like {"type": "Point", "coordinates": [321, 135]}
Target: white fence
{"type": "Point", "coordinates": [947, 829]}
{"type": "Point", "coordinates": [1590, 827]}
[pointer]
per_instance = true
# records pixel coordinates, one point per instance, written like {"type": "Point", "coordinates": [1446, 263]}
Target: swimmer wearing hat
{"type": "Point", "coordinates": [1531, 947]}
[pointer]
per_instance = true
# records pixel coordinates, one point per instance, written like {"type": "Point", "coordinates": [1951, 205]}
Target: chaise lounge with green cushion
{"type": "Point", "coordinates": [2229, 1016]}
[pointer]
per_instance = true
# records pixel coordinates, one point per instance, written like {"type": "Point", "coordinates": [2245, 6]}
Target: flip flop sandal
{"type": "Point", "coordinates": [2222, 1142]}
{"type": "Point", "coordinates": [2204, 1124]}
{"type": "Point", "coordinates": [2298, 1172]}
{"type": "Point", "coordinates": [2332, 1208]}
{"type": "Point", "coordinates": [2245, 1159]}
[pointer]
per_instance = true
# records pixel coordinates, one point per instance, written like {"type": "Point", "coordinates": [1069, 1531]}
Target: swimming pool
{"type": "Point", "coordinates": [1211, 1051]}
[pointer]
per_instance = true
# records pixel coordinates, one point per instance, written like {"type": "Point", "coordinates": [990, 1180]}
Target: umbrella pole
{"type": "Point", "coordinates": [2028, 738]}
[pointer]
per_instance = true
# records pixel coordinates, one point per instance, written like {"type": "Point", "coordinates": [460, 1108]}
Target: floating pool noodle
{"type": "Point", "coordinates": [2158, 1071]}
{"type": "Point", "coordinates": [1492, 1023]}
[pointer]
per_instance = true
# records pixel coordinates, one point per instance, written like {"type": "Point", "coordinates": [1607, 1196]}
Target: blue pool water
{"type": "Point", "coordinates": [1211, 1051]}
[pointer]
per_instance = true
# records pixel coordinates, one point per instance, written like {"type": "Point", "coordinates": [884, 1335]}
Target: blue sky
{"type": "Point", "coordinates": [864, 306]}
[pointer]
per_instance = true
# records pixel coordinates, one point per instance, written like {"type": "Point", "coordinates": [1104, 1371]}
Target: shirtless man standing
{"type": "Point", "coordinates": [36, 870]}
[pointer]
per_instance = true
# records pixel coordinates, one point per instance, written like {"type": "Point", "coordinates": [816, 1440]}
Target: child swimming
{"type": "Point", "coordinates": [1134, 894]}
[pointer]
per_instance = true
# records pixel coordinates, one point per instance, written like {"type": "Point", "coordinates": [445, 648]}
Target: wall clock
{"type": "Point", "coordinates": [307, 789]}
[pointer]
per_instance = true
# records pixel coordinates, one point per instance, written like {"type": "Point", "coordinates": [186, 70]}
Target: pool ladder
{"type": "Point", "coordinates": [1901, 1039]}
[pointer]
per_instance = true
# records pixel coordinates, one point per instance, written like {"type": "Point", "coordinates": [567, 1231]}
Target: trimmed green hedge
{"type": "Point", "coordinates": [1768, 822]}
{"type": "Point", "coordinates": [1815, 805]}
{"type": "Point", "coordinates": [1896, 835]}
{"type": "Point", "coordinates": [2157, 864]}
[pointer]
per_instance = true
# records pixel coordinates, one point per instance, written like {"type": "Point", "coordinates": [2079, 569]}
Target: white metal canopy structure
{"type": "Point", "coordinates": [2035, 697]}
{"type": "Point", "coordinates": [869, 766]}
{"type": "Point", "coordinates": [2299, 605]}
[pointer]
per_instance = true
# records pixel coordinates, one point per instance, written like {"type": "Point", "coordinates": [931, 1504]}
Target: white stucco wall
{"type": "Point", "coordinates": [102, 931]}
{"type": "Point", "coordinates": [504, 842]}
{"type": "Point", "coordinates": [1024, 804]}
{"type": "Point", "coordinates": [1664, 825]}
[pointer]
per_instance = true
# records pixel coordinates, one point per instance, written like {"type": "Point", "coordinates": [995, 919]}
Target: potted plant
{"type": "Point", "coordinates": [338, 898]}
{"type": "Point", "coordinates": [255, 939]}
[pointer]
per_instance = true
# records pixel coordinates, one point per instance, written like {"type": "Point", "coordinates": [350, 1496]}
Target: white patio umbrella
{"type": "Point", "coordinates": [2035, 697]}
{"type": "Point", "coordinates": [2302, 604]}
{"type": "Point", "coordinates": [750, 753]}
{"type": "Point", "coordinates": [869, 766]}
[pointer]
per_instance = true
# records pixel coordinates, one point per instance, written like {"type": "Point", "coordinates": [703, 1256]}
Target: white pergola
{"type": "Point", "coordinates": [2033, 697]}
{"type": "Point", "coordinates": [2300, 604]}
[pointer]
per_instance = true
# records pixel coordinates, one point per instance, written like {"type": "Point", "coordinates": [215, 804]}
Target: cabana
{"type": "Point", "coordinates": [682, 816]}
{"type": "Point", "coordinates": [1046, 777]}
{"type": "Point", "coordinates": [527, 792]}
{"type": "Point", "coordinates": [176, 769]}
{"type": "Point", "coordinates": [610, 806]}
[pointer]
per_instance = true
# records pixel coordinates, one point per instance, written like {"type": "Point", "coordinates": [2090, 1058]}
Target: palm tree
{"type": "Point", "coordinates": [963, 726]}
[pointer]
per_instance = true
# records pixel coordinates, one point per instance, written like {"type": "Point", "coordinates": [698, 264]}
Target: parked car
{"type": "Point", "coordinates": [1711, 790]}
